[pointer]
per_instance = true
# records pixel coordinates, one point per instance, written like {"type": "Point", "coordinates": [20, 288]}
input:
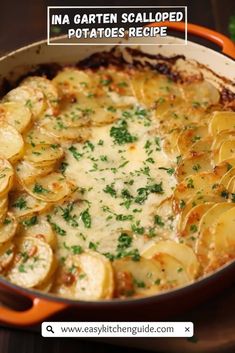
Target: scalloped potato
{"type": "Point", "coordinates": [116, 181]}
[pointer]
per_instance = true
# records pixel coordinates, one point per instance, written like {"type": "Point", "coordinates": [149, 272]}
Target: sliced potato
{"type": "Point", "coordinates": [50, 188]}
{"type": "Point", "coordinates": [70, 81]}
{"type": "Point", "coordinates": [46, 86]}
{"type": "Point", "coordinates": [199, 184]}
{"type": "Point", "coordinates": [11, 142]}
{"type": "Point", "coordinates": [189, 230]}
{"type": "Point", "coordinates": [8, 228]}
{"type": "Point", "coordinates": [192, 165]}
{"type": "Point", "coordinates": [221, 121]}
{"type": "Point", "coordinates": [3, 207]}
{"type": "Point", "coordinates": [6, 176]}
{"type": "Point", "coordinates": [23, 205]}
{"type": "Point", "coordinates": [27, 172]}
{"type": "Point", "coordinates": [41, 229]}
{"type": "Point", "coordinates": [32, 264]}
{"type": "Point", "coordinates": [227, 150]}
{"type": "Point", "coordinates": [36, 136]}
{"type": "Point", "coordinates": [201, 94]}
{"type": "Point", "coordinates": [174, 271]}
{"type": "Point", "coordinates": [203, 145]}
{"type": "Point", "coordinates": [187, 138]}
{"type": "Point", "coordinates": [32, 98]}
{"type": "Point", "coordinates": [16, 114]}
{"type": "Point", "coordinates": [221, 137]}
{"type": "Point", "coordinates": [194, 201]}
{"type": "Point", "coordinates": [43, 155]}
{"type": "Point", "coordinates": [231, 185]}
{"type": "Point", "coordinates": [83, 282]}
{"type": "Point", "coordinates": [7, 253]}
{"type": "Point", "coordinates": [205, 229]}
{"type": "Point", "coordinates": [225, 180]}
{"type": "Point", "coordinates": [144, 277]}
{"type": "Point", "coordinates": [223, 239]}
{"type": "Point", "coordinates": [157, 86]}
{"type": "Point", "coordinates": [170, 144]}
{"type": "Point", "coordinates": [62, 132]}
{"type": "Point", "coordinates": [180, 252]}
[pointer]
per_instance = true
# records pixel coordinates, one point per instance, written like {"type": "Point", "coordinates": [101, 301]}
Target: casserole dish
{"type": "Point", "coordinates": [200, 58]}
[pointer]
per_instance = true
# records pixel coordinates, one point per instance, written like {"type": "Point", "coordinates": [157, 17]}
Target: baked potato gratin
{"type": "Point", "coordinates": [115, 181]}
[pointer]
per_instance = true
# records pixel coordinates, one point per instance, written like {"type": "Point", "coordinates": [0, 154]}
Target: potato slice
{"type": "Point", "coordinates": [36, 136]}
{"type": "Point", "coordinates": [43, 155]}
{"type": "Point", "coordinates": [41, 229]}
{"type": "Point", "coordinates": [203, 145]}
{"type": "Point", "coordinates": [225, 180]}
{"type": "Point", "coordinates": [6, 176]}
{"type": "Point", "coordinates": [8, 228]}
{"type": "Point", "coordinates": [174, 271]}
{"type": "Point", "coordinates": [187, 138]}
{"type": "Point", "coordinates": [189, 230]}
{"type": "Point", "coordinates": [199, 184]}
{"type": "Point", "coordinates": [227, 150]}
{"type": "Point", "coordinates": [32, 264]}
{"type": "Point", "coordinates": [62, 132]}
{"type": "Point", "coordinates": [201, 93]}
{"type": "Point", "coordinates": [223, 240]}
{"type": "Point", "coordinates": [23, 205]}
{"type": "Point", "coordinates": [192, 165]}
{"type": "Point", "coordinates": [3, 207]}
{"type": "Point", "coordinates": [144, 277]}
{"type": "Point", "coordinates": [157, 86]}
{"type": "Point", "coordinates": [50, 188]}
{"type": "Point", "coordinates": [27, 172]}
{"type": "Point", "coordinates": [194, 201]}
{"type": "Point", "coordinates": [231, 185]}
{"type": "Point", "coordinates": [205, 229]}
{"type": "Point", "coordinates": [32, 98]}
{"type": "Point", "coordinates": [70, 81]}
{"type": "Point", "coordinates": [46, 86]}
{"type": "Point", "coordinates": [180, 252]}
{"type": "Point", "coordinates": [221, 121]}
{"type": "Point", "coordinates": [170, 144]}
{"type": "Point", "coordinates": [11, 142]}
{"type": "Point", "coordinates": [7, 253]}
{"type": "Point", "coordinates": [91, 277]}
{"type": "Point", "coordinates": [221, 137]}
{"type": "Point", "coordinates": [15, 114]}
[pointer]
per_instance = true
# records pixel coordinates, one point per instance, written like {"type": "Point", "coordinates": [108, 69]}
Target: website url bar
{"type": "Point", "coordinates": [117, 329]}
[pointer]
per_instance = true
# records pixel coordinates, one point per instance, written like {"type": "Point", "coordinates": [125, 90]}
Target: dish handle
{"type": "Point", "coordinates": [227, 45]}
{"type": "Point", "coordinates": [40, 310]}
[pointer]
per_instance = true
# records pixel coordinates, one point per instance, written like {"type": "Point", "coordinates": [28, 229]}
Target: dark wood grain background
{"type": "Point", "coordinates": [24, 21]}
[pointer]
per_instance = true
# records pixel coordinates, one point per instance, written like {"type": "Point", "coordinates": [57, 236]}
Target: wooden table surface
{"type": "Point", "coordinates": [22, 22]}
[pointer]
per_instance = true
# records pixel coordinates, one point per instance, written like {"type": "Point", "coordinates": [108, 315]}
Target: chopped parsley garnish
{"type": "Point", "coordinates": [158, 221]}
{"type": "Point", "coordinates": [86, 218]}
{"type": "Point", "coordinates": [77, 155]}
{"type": "Point", "coordinates": [55, 227]}
{"type": "Point", "coordinates": [110, 190]}
{"type": "Point", "coordinates": [193, 228]}
{"type": "Point", "coordinates": [39, 189]}
{"type": "Point", "coordinates": [68, 217]}
{"type": "Point", "coordinates": [190, 184]}
{"type": "Point", "coordinates": [169, 171]}
{"type": "Point", "coordinates": [121, 135]}
{"type": "Point", "coordinates": [182, 204]}
{"type": "Point", "coordinates": [20, 203]}
{"type": "Point", "coordinates": [93, 246]}
{"type": "Point", "coordinates": [196, 167]}
{"type": "Point", "coordinates": [144, 192]}
{"type": "Point", "coordinates": [124, 241]}
{"type": "Point", "coordinates": [63, 167]}
{"type": "Point", "coordinates": [139, 284]}
{"type": "Point", "coordinates": [76, 249]}
{"type": "Point", "coordinates": [136, 228]}
{"type": "Point", "coordinates": [30, 222]}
